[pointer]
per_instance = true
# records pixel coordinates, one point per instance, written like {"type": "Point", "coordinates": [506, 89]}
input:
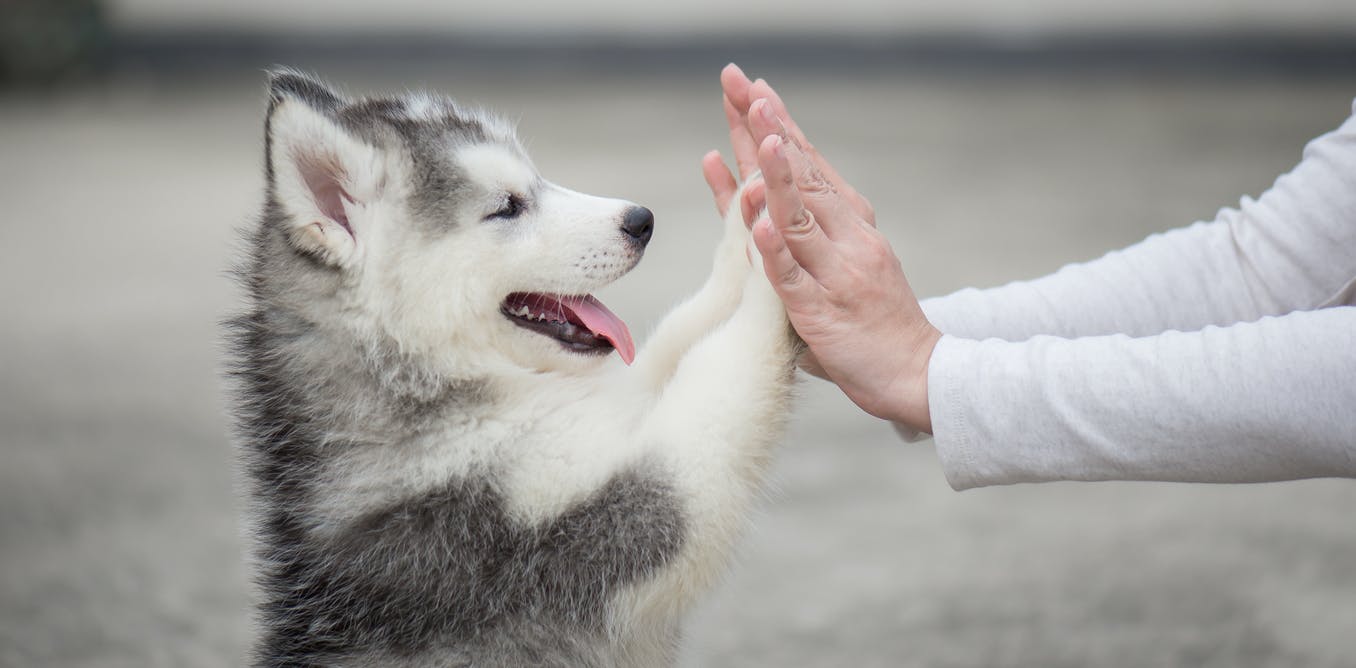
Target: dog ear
{"type": "Point", "coordinates": [320, 175]}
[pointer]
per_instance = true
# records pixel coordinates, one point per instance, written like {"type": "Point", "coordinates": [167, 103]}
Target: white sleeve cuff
{"type": "Point", "coordinates": [949, 423]}
{"type": "Point", "coordinates": [951, 430]}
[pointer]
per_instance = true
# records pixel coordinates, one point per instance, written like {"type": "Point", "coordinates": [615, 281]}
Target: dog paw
{"type": "Point", "coordinates": [758, 289]}
{"type": "Point", "coordinates": [735, 253]}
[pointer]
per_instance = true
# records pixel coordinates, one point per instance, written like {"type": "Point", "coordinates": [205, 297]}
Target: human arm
{"type": "Point", "coordinates": [1269, 260]}
{"type": "Point", "coordinates": [1260, 401]}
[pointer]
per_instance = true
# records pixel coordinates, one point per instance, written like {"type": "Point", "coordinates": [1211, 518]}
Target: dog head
{"type": "Point", "coordinates": [415, 222]}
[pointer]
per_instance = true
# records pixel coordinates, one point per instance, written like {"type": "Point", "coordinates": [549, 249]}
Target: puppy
{"type": "Point", "coordinates": [447, 465]}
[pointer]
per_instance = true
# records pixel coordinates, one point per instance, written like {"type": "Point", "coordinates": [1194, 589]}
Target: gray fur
{"type": "Point", "coordinates": [450, 571]}
{"type": "Point", "coordinates": [440, 578]}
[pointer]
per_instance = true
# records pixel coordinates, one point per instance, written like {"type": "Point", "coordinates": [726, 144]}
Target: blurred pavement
{"type": "Point", "coordinates": [119, 539]}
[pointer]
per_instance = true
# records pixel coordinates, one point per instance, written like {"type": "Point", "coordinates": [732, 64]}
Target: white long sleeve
{"type": "Point", "coordinates": [1269, 400]}
{"type": "Point", "coordinates": [1294, 248]}
{"type": "Point", "coordinates": [1229, 398]}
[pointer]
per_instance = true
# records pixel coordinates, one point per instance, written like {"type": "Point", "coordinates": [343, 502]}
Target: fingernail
{"type": "Point", "coordinates": [765, 111]}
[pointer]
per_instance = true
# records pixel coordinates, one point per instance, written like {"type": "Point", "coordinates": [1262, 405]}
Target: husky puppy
{"type": "Point", "coordinates": [447, 466]}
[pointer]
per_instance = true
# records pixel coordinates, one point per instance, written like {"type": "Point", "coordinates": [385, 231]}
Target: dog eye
{"type": "Point", "coordinates": [513, 207]}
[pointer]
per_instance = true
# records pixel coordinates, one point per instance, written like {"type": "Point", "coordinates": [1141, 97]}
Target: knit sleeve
{"type": "Point", "coordinates": [1273, 399]}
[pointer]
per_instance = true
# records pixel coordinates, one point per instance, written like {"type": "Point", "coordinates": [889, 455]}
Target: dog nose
{"type": "Point", "coordinates": [638, 224]}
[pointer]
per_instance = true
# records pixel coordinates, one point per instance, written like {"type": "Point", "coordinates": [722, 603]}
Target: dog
{"type": "Point", "coordinates": [445, 462]}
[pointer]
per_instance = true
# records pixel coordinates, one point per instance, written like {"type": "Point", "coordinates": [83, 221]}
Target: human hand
{"type": "Point", "coordinates": [738, 94]}
{"type": "Point", "coordinates": [842, 285]}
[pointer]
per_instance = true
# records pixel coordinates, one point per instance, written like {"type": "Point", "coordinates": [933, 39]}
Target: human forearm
{"type": "Point", "coordinates": [1269, 400]}
{"type": "Point", "coordinates": [1184, 279]}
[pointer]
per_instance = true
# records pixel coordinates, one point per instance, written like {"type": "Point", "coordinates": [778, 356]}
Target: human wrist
{"type": "Point", "coordinates": [910, 393]}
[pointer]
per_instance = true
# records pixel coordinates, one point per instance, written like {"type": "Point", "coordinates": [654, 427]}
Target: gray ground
{"type": "Point", "coordinates": [119, 541]}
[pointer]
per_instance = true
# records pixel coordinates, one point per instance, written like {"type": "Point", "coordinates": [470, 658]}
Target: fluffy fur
{"type": "Point", "coordinates": [434, 485]}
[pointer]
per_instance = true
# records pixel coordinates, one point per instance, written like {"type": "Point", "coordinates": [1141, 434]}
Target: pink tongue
{"type": "Point", "coordinates": [604, 323]}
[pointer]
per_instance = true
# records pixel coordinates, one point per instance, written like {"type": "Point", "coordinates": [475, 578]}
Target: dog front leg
{"type": "Point", "coordinates": [703, 311]}
{"type": "Point", "coordinates": [717, 422]}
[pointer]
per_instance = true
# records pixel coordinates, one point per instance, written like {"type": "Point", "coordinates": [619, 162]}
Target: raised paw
{"type": "Point", "coordinates": [736, 243]}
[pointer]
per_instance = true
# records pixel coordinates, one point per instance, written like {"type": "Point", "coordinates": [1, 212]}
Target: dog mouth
{"type": "Point", "coordinates": [580, 323]}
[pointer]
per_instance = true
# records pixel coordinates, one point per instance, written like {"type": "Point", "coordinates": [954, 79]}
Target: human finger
{"type": "Point", "coordinates": [797, 288]}
{"type": "Point", "coordinates": [783, 122]}
{"type": "Point", "coordinates": [720, 180]}
{"type": "Point", "coordinates": [762, 90]}
{"type": "Point", "coordinates": [741, 141]}
{"type": "Point", "coordinates": [735, 84]}
{"type": "Point", "coordinates": [830, 207]}
{"type": "Point", "coordinates": [795, 224]}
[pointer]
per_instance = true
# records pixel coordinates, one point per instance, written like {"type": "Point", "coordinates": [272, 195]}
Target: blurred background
{"type": "Point", "coordinates": [998, 141]}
